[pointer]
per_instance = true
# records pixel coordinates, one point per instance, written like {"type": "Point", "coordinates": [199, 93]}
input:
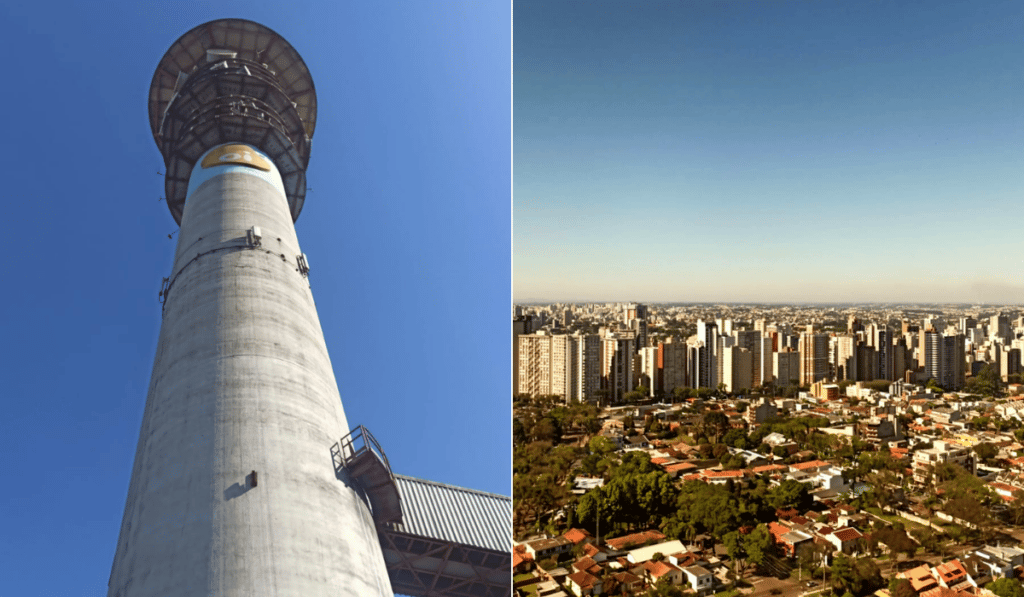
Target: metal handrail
{"type": "Point", "coordinates": [369, 444]}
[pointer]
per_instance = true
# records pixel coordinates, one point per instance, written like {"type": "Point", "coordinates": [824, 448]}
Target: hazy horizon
{"type": "Point", "coordinates": [767, 152]}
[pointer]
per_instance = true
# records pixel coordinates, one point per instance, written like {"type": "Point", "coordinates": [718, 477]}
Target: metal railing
{"type": "Point", "coordinates": [359, 441]}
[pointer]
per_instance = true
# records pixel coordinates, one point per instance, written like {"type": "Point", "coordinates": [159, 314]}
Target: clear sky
{"type": "Point", "coordinates": [768, 151]}
{"type": "Point", "coordinates": [406, 228]}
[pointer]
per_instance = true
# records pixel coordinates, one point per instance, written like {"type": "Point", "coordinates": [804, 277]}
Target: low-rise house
{"type": "Point", "coordinates": [624, 580]}
{"type": "Point", "coordinates": [637, 442]}
{"type": "Point", "coordinates": [700, 579]}
{"type": "Point", "coordinates": [584, 484]}
{"type": "Point", "coordinates": [787, 538]}
{"type": "Point", "coordinates": [951, 574]}
{"type": "Point", "coordinates": [586, 564]}
{"type": "Point", "coordinates": [1000, 561]}
{"type": "Point", "coordinates": [583, 584]}
{"type": "Point", "coordinates": [721, 477]}
{"type": "Point", "coordinates": [578, 536]}
{"type": "Point", "coordinates": [657, 571]}
{"type": "Point", "coordinates": [845, 540]}
{"type": "Point", "coordinates": [521, 561]}
{"type": "Point", "coordinates": [643, 554]}
{"type": "Point", "coordinates": [627, 541]}
{"type": "Point", "coordinates": [921, 578]}
{"type": "Point", "coordinates": [680, 468]}
{"type": "Point", "coordinates": [595, 553]}
{"type": "Point", "coordinates": [546, 548]}
{"type": "Point", "coordinates": [811, 467]}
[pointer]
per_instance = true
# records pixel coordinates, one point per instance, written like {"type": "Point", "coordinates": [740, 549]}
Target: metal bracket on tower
{"type": "Point", "coordinates": [253, 237]}
{"type": "Point", "coordinates": [164, 287]}
{"type": "Point", "coordinates": [303, 264]}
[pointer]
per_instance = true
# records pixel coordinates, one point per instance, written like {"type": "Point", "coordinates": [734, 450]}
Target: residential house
{"type": "Point", "coordinates": [584, 584]}
{"type": "Point", "coordinates": [627, 541]}
{"type": "Point", "coordinates": [845, 540]}
{"type": "Point", "coordinates": [657, 571]}
{"type": "Point", "coordinates": [546, 548]}
{"type": "Point", "coordinates": [700, 579]}
{"type": "Point", "coordinates": [643, 554]}
{"type": "Point", "coordinates": [951, 574]}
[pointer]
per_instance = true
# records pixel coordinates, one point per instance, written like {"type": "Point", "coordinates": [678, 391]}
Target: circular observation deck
{"type": "Point", "coordinates": [232, 80]}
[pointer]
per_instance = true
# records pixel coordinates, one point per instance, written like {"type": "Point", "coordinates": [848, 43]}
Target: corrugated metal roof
{"type": "Point", "coordinates": [456, 514]}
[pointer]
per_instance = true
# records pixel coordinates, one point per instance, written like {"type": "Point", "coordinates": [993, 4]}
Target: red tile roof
{"type": "Point", "coordinates": [576, 535]}
{"type": "Point", "coordinates": [722, 474]}
{"type": "Point", "coordinates": [847, 534]}
{"type": "Point", "coordinates": [767, 468]}
{"type": "Point", "coordinates": [658, 569]}
{"type": "Point", "coordinates": [812, 464]}
{"type": "Point", "coordinates": [920, 578]}
{"type": "Point", "coordinates": [635, 539]}
{"type": "Point", "coordinates": [952, 572]}
{"type": "Point", "coordinates": [584, 580]}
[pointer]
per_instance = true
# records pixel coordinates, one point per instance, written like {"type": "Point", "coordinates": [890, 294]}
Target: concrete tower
{"type": "Point", "coordinates": [233, 490]}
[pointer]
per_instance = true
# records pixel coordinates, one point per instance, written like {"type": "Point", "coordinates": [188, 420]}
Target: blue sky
{"type": "Point", "coordinates": [406, 229]}
{"type": "Point", "coordinates": [768, 151]}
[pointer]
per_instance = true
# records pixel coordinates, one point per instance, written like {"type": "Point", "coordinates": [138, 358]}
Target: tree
{"type": "Point", "coordinates": [759, 545]}
{"type": "Point", "coordinates": [1017, 508]}
{"type": "Point", "coordinates": [986, 383]}
{"type": "Point", "coordinates": [1006, 587]}
{"type": "Point", "coordinates": [897, 540]}
{"type": "Point", "coordinates": [715, 423]}
{"type": "Point", "coordinates": [518, 432]}
{"type": "Point", "coordinates": [901, 587]}
{"type": "Point", "coordinates": [789, 493]}
{"type": "Point", "coordinates": [734, 544]}
{"type": "Point", "coordinates": [986, 451]}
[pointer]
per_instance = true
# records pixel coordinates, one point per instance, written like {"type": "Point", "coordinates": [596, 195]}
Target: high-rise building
{"type": "Point", "coordinates": [1010, 363]}
{"type": "Point", "coordinates": [813, 349]}
{"type": "Point", "coordinates": [588, 367]}
{"type": "Point", "coordinates": [520, 325]}
{"type": "Point", "coordinates": [671, 366]}
{"type": "Point", "coordinates": [705, 368]}
{"type": "Point", "coordinates": [548, 365]}
{"type": "Point", "coordinates": [534, 364]}
{"type": "Point", "coordinates": [999, 328]}
{"type": "Point", "coordinates": [752, 342]}
{"type": "Point", "coordinates": [953, 361]}
{"type": "Point", "coordinates": [786, 368]}
{"type": "Point", "coordinates": [845, 360]}
{"type": "Point", "coordinates": [882, 341]}
{"type": "Point", "coordinates": [617, 364]}
{"type": "Point", "coordinates": [648, 370]}
{"type": "Point", "coordinates": [942, 358]}
{"type": "Point", "coordinates": [635, 317]}
{"type": "Point", "coordinates": [737, 368]}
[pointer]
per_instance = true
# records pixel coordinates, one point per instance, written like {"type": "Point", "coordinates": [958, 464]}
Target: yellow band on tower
{"type": "Point", "coordinates": [235, 154]}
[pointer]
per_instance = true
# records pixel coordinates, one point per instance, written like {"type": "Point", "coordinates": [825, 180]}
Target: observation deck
{"type": "Point", "coordinates": [232, 80]}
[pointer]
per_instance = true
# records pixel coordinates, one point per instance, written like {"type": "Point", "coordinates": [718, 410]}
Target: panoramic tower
{"type": "Point", "coordinates": [236, 489]}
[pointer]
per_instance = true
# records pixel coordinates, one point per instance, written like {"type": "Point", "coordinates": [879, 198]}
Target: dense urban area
{"type": "Point", "coordinates": [768, 450]}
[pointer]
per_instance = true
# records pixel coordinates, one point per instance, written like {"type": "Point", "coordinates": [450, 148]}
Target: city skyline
{"type": "Point", "coordinates": [770, 153]}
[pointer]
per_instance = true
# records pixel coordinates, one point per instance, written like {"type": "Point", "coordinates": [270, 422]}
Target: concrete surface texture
{"type": "Point", "coordinates": [242, 382]}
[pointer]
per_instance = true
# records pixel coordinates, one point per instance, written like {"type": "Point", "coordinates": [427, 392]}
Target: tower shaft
{"type": "Point", "coordinates": [233, 490]}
